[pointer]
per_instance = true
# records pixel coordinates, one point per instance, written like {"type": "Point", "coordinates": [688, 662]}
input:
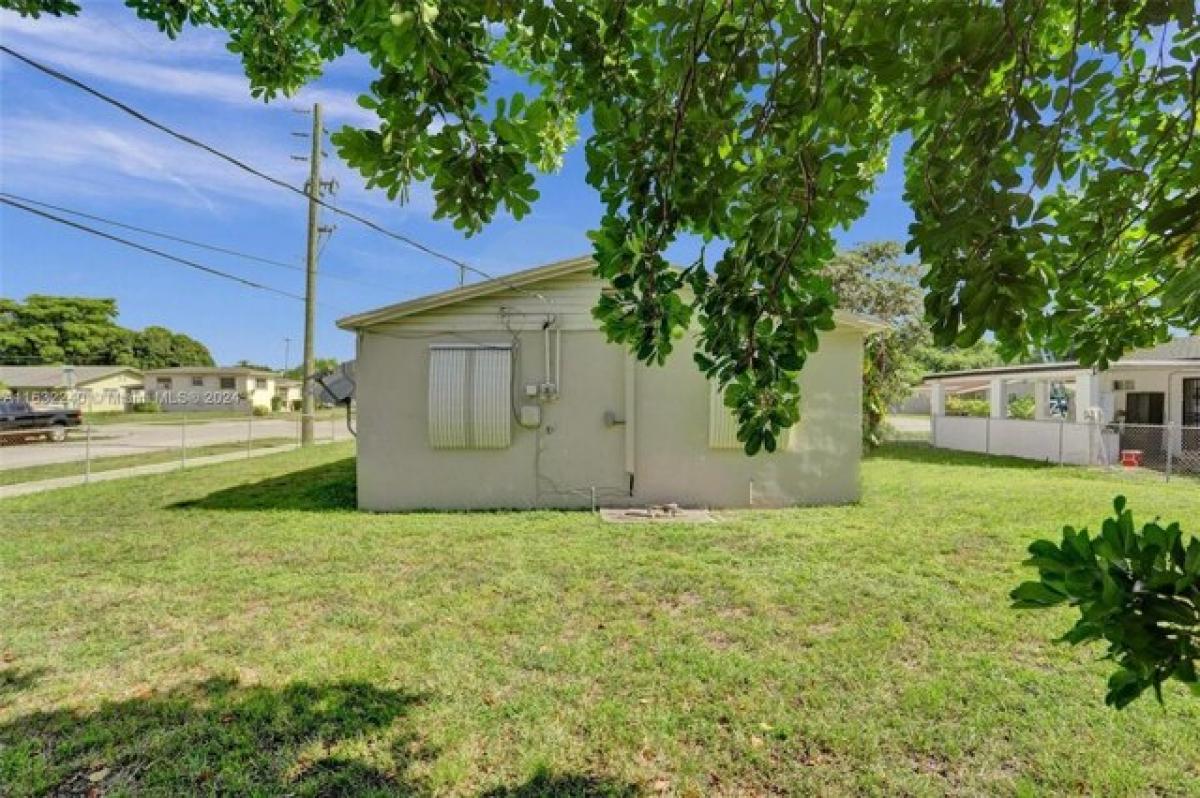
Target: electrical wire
{"type": "Point", "coordinates": [156, 233]}
{"type": "Point", "coordinates": [151, 250]}
{"type": "Point", "coordinates": [141, 117]}
{"type": "Point", "coordinates": [200, 244]}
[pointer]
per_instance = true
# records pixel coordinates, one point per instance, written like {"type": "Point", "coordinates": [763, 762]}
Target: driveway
{"type": "Point", "coordinates": [117, 439]}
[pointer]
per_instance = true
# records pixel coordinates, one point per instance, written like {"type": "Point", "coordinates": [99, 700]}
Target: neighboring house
{"type": "Point", "coordinates": [290, 392]}
{"type": "Point", "coordinates": [1150, 399]}
{"type": "Point", "coordinates": [204, 388]}
{"type": "Point", "coordinates": [507, 394]}
{"type": "Point", "coordinates": [93, 389]}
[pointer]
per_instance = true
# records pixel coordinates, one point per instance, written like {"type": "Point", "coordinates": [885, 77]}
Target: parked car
{"type": "Point", "coordinates": [19, 420]}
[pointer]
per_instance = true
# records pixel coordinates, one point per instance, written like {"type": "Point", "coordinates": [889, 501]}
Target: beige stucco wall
{"type": "Point", "coordinates": [186, 396]}
{"type": "Point", "coordinates": [574, 450]}
{"type": "Point", "coordinates": [106, 395]}
{"type": "Point", "coordinates": [110, 394]}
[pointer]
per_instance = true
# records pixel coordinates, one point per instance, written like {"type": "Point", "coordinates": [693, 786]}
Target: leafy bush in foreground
{"type": "Point", "coordinates": [1139, 590]}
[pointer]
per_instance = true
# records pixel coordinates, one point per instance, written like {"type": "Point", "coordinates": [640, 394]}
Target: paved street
{"type": "Point", "coordinates": [161, 434]}
{"type": "Point", "coordinates": [909, 423]}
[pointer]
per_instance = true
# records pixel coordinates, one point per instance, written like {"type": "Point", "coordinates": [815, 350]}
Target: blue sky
{"type": "Point", "coordinates": [60, 146]}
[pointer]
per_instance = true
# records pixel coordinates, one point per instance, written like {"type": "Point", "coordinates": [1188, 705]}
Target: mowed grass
{"type": "Point", "coordinates": [240, 629]}
{"type": "Point", "coordinates": [74, 468]}
{"type": "Point", "coordinates": [203, 416]}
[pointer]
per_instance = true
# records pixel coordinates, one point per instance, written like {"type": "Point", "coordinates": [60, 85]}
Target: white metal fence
{"type": "Point", "coordinates": [156, 443]}
{"type": "Point", "coordinates": [1171, 449]}
{"type": "Point", "coordinates": [1054, 441]}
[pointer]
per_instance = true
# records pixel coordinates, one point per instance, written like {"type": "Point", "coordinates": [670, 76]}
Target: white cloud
{"type": "Point", "coordinates": [42, 157]}
{"type": "Point", "coordinates": [194, 67]}
{"type": "Point", "coordinates": [59, 143]}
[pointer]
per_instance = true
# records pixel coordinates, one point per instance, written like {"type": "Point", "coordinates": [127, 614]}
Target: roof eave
{"type": "Point", "coordinates": [462, 293]}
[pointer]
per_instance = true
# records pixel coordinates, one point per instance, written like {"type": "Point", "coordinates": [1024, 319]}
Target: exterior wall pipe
{"type": "Point", "coordinates": [630, 418]}
{"type": "Point", "coordinates": [558, 359]}
{"type": "Point", "coordinates": [546, 351]}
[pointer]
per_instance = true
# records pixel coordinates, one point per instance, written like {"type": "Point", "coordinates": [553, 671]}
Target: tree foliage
{"type": "Point", "coordinates": [1053, 169]}
{"type": "Point", "coordinates": [874, 279]}
{"type": "Point", "coordinates": [1138, 590]}
{"type": "Point", "coordinates": [81, 330]}
{"type": "Point", "coordinates": [321, 367]}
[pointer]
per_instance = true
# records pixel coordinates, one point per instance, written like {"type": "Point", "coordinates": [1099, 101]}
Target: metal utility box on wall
{"type": "Point", "coordinates": [531, 416]}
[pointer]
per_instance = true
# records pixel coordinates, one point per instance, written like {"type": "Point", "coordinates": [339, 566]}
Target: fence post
{"type": "Point", "coordinates": [183, 442]}
{"type": "Point", "coordinates": [1171, 438]}
{"type": "Point", "coordinates": [87, 455]}
{"type": "Point", "coordinates": [250, 428]}
{"type": "Point", "coordinates": [1062, 422]}
{"type": "Point", "coordinates": [987, 435]}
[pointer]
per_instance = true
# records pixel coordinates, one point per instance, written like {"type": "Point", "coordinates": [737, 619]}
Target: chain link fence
{"type": "Point", "coordinates": [156, 443]}
{"type": "Point", "coordinates": [1172, 449]}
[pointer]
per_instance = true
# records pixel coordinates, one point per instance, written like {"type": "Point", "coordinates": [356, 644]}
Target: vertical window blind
{"type": "Point", "coordinates": [470, 400]}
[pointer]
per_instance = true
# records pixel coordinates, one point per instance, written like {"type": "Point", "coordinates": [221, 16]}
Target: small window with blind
{"type": "Point", "coordinates": [470, 396]}
{"type": "Point", "coordinates": [723, 425]}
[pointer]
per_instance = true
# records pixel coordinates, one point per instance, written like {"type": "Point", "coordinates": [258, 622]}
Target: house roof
{"type": "Point", "coordinates": [55, 377]}
{"type": "Point", "coordinates": [522, 280]}
{"type": "Point", "coordinates": [1181, 351]}
{"type": "Point", "coordinates": [1186, 348]}
{"type": "Point", "coordinates": [224, 371]}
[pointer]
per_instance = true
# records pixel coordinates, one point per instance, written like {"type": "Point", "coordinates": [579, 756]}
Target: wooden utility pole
{"type": "Point", "coordinates": [310, 278]}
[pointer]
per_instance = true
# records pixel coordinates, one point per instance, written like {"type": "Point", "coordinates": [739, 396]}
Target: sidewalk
{"type": "Point", "coordinates": [24, 488]}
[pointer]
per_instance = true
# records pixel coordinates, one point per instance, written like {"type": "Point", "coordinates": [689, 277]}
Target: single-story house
{"type": "Point", "coordinates": [1149, 399]}
{"type": "Point", "coordinates": [289, 391]}
{"type": "Point", "coordinates": [93, 389]}
{"type": "Point", "coordinates": [204, 388]}
{"type": "Point", "coordinates": [507, 394]}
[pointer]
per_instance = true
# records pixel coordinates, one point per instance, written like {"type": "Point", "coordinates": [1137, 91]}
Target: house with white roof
{"type": "Point", "coordinates": [1148, 400]}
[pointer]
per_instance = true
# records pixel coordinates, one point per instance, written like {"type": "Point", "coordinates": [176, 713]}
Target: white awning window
{"type": "Point", "coordinates": [470, 402]}
{"type": "Point", "coordinates": [723, 426]}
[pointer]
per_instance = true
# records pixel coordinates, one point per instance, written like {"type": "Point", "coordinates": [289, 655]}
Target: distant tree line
{"type": "Point", "coordinates": [46, 330]}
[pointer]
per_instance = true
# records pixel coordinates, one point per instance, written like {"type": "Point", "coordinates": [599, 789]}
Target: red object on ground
{"type": "Point", "coordinates": [1131, 458]}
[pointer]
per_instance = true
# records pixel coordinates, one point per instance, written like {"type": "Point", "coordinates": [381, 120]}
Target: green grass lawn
{"type": "Point", "coordinates": [241, 630]}
{"type": "Point", "coordinates": [12, 476]}
{"type": "Point", "coordinates": [202, 416]}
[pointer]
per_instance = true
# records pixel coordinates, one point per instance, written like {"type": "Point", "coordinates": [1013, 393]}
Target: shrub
{"type": "Point", "coordinates": [956, 406]}
{"type": "Point", "coordinates": [276, 404]}
{"type": "Point", "coordinates": [261, 410]}
{"type": "Point", "coordinates": [1138, 590]}
{"type": "Point", "coordinates": [297, 405]}
{"type": "Point", "coordinates": [1021, 407]}
{"type": "Point", "coordinates": [148, 406]}
{"type": "Point", "coordinates": [1018, 407]}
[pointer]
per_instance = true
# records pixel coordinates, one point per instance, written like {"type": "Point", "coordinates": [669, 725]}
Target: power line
{"type": "Point", "coordinates": [167, 236]}
{"type": "Point", "coordinates": [141, 117]}
{"type": "Point", "coordinates": [170, 237]}
{"type": "Point", "coordinates": [151, 250]}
